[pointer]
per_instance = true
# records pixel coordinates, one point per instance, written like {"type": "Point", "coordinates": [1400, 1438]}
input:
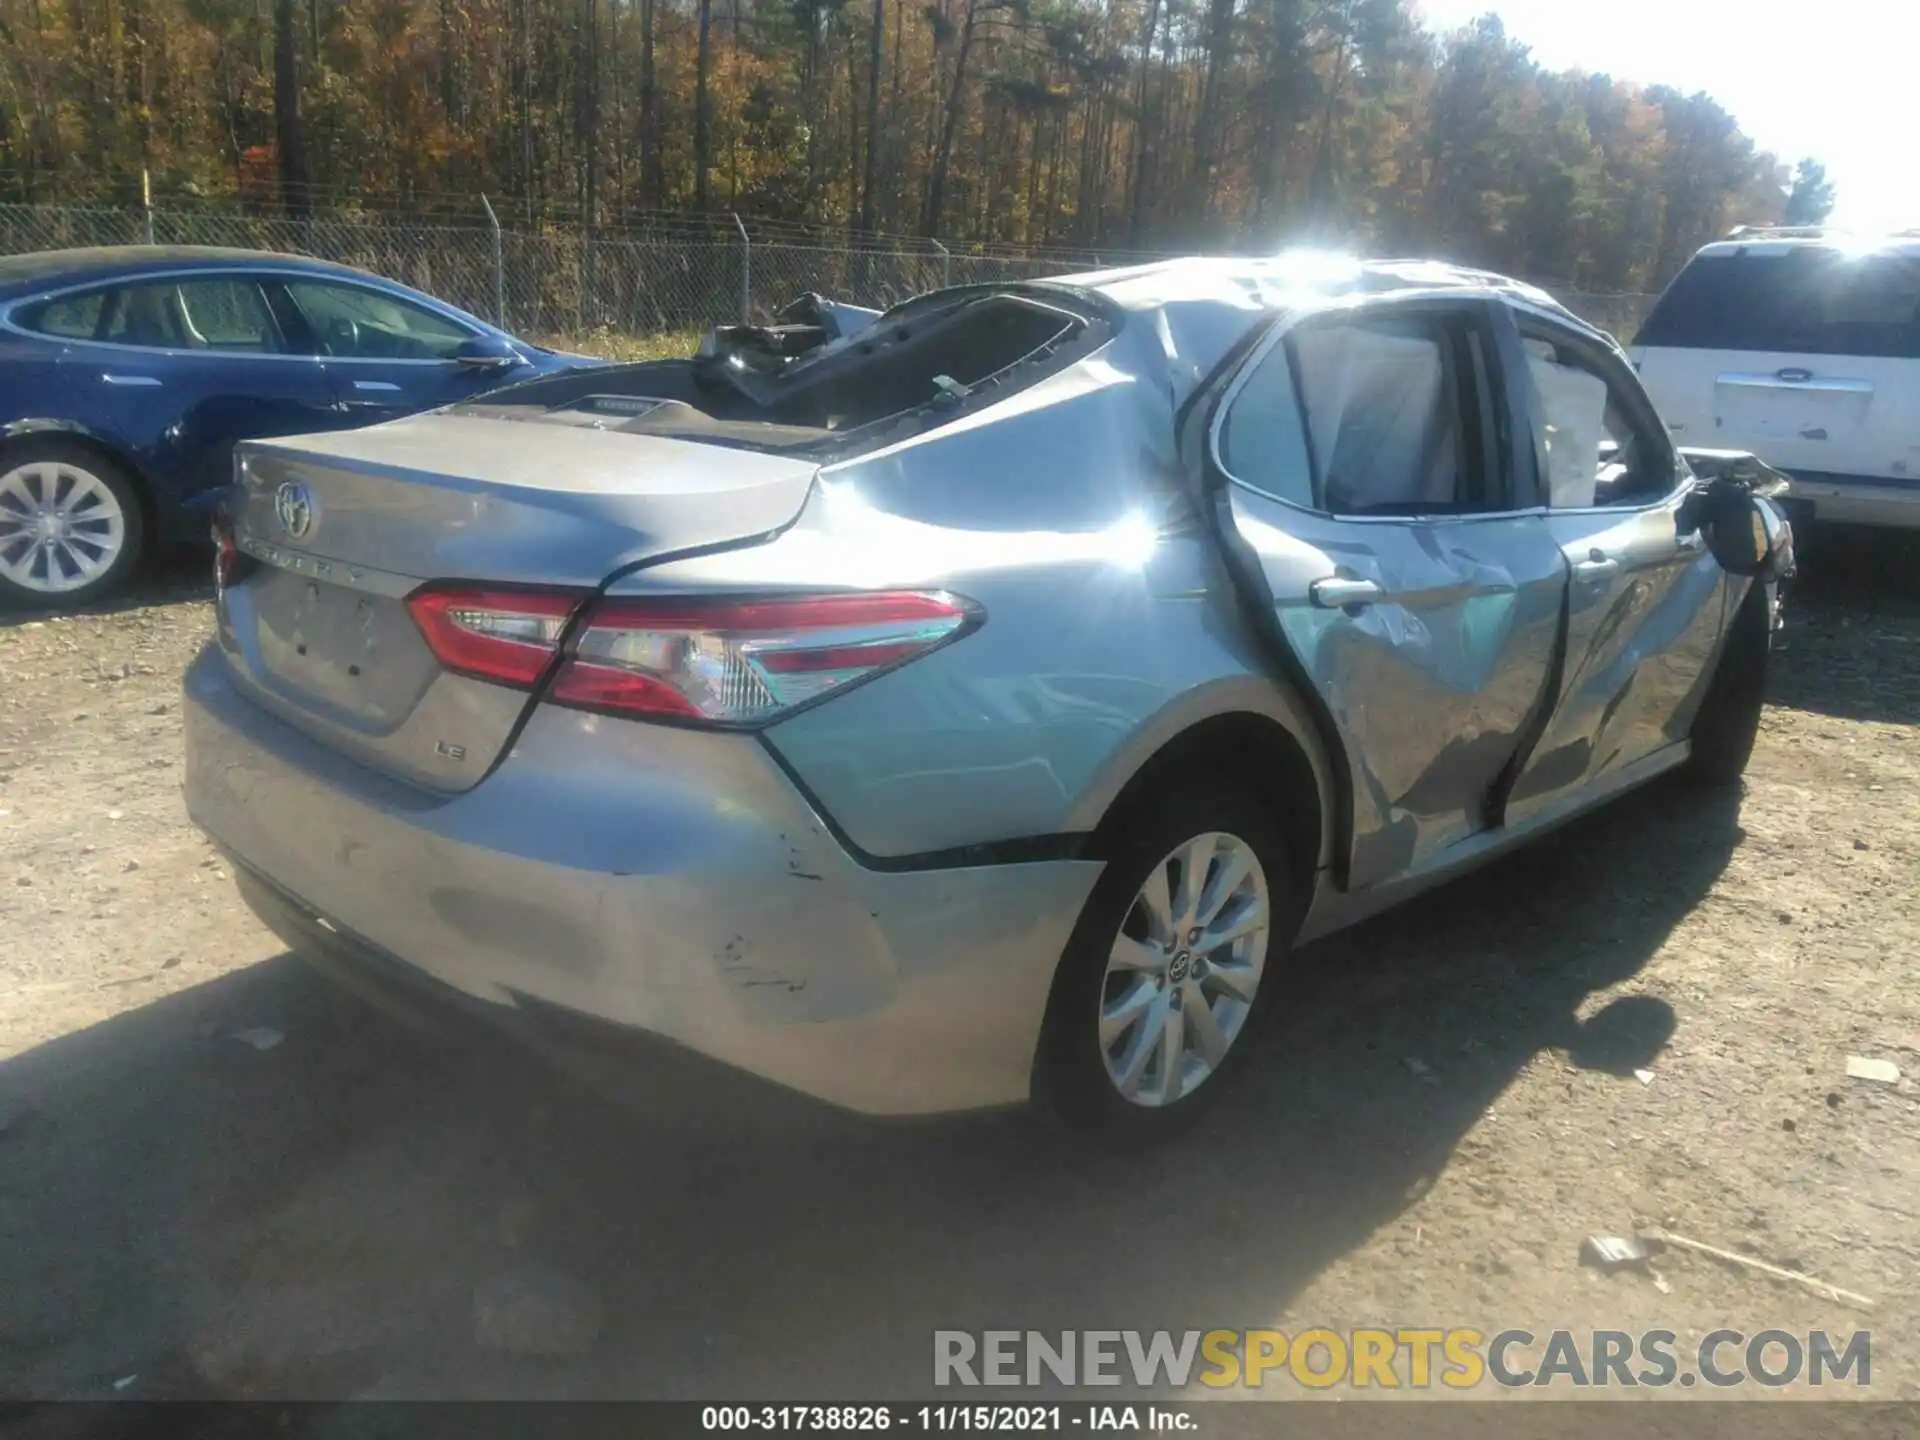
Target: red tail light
{"type": "Point", "coordinates": [228, 561]}
{"type": "Point", "coordinates": [224, 552]}
{"type": "Point", "coordinates": [721, 662]}
{"type": "Point", "coordinates": [506, 636]}
{"type": "Point", "coordinates": [747, 662]}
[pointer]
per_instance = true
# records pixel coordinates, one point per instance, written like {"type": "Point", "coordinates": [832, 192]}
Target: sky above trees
{"type": "Point", "coordinates": [1827, 81]}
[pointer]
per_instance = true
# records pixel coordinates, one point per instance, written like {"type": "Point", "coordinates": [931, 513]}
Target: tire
{"type": "Point", "coordinates": [1088, 1052]}
{"type": "Point", "coordinates": [94, 529]}
{"type": "Point", "coordinates": [1729, 719]}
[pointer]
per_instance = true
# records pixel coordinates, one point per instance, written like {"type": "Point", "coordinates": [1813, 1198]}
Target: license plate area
{"type": "Point", "coordinates": [355, 655]}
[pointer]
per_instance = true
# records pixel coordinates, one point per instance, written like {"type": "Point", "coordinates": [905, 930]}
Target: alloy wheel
{"type": "Point", "coordinates": [61, 527]}
{"type": "Point", "coordinates": [1183, 971]}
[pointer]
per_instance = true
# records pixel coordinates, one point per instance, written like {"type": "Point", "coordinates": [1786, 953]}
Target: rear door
{"type": "Point", "coordinates": [33, 345]}
{"type": "Point", "coordinates": [1806, 355]}
{"type": "Point", "coordinates": [383, 355]}
{"type": "Point", "coordinates": [1370, 462]}
{"type": "Point", "coordinates": [184, 367]}
{"type": "Point", "coordinates": [1646, 604]}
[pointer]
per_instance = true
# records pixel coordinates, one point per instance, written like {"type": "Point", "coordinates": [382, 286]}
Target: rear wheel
{"type": "Point", "coordinates": [71, 529]}
{"type": "Point", "coordinates": [1729, 719]}
{"type": "Point", "coordinates": [1169, 967]}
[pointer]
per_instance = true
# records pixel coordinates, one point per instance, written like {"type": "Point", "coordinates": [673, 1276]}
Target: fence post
{"type": "Point", "coordinates": [946, 263]}
{"type": "Point", "coordinates": [587, 285]}
{"type": "Point", "coordinates": [746, 273]}
{"type": "Point", "coordinates": [146, 204]}
{"type": "Point", "coordinates": [499, 266]}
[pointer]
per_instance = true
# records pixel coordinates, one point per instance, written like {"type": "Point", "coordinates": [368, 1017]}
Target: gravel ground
{"type": "Point", "coordinates": [1450, 1110]}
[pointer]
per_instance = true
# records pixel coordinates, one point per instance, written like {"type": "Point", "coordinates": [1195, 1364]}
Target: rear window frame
{"type": "Point", "coordinates": [1098, 319]}
{"type": "Point", "coordinates": [1611, 365]}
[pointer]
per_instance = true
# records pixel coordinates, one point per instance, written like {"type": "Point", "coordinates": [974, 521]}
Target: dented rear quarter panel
{"type": "Point", "coordinates": [1110, 628]}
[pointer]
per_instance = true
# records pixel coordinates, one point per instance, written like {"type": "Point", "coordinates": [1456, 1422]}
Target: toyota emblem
{"type": "Point", "coordinates": [293, 506]}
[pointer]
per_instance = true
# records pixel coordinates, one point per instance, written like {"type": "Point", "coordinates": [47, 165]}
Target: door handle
{"type": "Point", "coordinates": [1340, 594]}
{"type": "Point", "coordinates": [1792, 379]}
{"type": "Point", "coordinates": [1597, 566]}
{"type": "Point", "coordinates": [147, 381]}
{"type": "Point", "coordinates": [377, 387]}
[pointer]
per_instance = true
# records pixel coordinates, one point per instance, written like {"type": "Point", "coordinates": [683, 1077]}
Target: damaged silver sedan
{"type": "Point", "coordinates": [979, 704]}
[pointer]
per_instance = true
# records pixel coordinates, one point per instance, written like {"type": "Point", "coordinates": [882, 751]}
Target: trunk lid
{"type": "Point", "coordinates": [484, 498]}
{"type": "Point", "coordinates": [345, 526]}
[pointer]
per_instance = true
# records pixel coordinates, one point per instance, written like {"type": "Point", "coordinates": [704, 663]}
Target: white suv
{"type": "Point", "coordinates": [1802, 346]}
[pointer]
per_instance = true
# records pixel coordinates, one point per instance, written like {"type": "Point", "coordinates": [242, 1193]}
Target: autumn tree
{"type": "Point", "coordinates": [1106, 125]}
{"type": "Point", "coordinates": [1811, 200]}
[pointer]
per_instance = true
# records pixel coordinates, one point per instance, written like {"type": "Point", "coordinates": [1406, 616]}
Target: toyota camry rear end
{"type": "Point", "coordinates": [978, 705]}
{"type": "Point", "coordinates": [498, 695]}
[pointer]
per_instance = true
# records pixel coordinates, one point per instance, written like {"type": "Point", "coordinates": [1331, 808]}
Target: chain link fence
{"type": "Point", "coordinates": [559, 280]}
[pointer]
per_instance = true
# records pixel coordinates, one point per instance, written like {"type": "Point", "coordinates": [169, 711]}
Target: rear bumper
{"type": "Point", "coordinates": [619, 1060]}
{"type": "Point", "coordinates": [1856, 499]}
{"type": "Point", "coordinates": [664, 880]}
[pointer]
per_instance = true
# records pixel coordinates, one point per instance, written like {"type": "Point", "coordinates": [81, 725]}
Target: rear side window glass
{"type": "Point", "coordinates": [1263, 440]}
{"type": "Point", "coordinates": [144, 315]}
{"type": "Point", "coordinates": [1806, 300]}
{"type": "Point", "coordinates": [227, 314]}
{"type": "Point", "coordinates": [1383, 414]}
{"type": "Point", "coordinates": [71, 317]}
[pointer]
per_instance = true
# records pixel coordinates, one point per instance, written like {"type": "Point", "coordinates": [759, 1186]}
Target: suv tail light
{"type": "Point", "coordinates": [746, 662]}
{"type": "Point", "coordinates": [739, 662]}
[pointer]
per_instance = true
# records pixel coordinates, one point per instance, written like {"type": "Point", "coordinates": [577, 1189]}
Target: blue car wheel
{"type": "Point", "coordinates": [71, 526]}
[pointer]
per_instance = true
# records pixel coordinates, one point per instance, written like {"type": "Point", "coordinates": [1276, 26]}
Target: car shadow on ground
{"type": "Point", "coordinates": [175, 574]}
{"type": "Point", "coordinates": [313, 1219]}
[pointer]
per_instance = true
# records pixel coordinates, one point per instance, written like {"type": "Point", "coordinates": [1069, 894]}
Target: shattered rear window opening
{"type": "Point", "coordinates": [921, 364]}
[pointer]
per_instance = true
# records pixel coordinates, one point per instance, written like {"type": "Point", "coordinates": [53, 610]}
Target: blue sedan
{"type": "Point", "coordinates": [128, 374]}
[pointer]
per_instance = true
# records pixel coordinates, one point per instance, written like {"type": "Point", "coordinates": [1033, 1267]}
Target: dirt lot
{"type": "Point", "coordinates": [1453, 1107]}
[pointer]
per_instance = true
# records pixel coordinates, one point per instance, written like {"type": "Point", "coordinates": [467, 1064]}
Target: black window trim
{"type": "Point", "coordinates": [293, 324]}
{"type": "Point", "coordinates": [1496, 455]}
